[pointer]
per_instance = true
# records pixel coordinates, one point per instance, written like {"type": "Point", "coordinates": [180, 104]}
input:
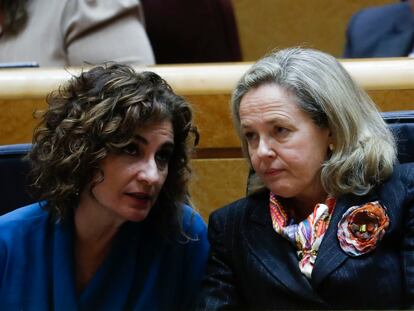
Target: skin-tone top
{"type": "Point", "coordinates": [74, 32]}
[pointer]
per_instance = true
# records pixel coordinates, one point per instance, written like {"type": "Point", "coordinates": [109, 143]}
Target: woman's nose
{"type": "Point", "coordinates": [148, 172]}
{"type": "Point", "coordinates": [265, 149]}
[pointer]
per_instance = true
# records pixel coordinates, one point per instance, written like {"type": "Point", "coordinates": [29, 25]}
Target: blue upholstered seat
{"type": "Point", "coordinates": [402, 125]}
{"type": "Point", "coordinates": [13, 177]}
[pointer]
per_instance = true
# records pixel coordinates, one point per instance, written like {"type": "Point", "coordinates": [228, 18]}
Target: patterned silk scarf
{"type": "Point", "coordinates": [307, 235]}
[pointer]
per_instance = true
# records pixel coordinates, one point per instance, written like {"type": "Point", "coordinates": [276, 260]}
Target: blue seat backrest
{"type": "Point", "coordinates": [402, 125]}
{"type": "Point", "coordinates": [13, 177]}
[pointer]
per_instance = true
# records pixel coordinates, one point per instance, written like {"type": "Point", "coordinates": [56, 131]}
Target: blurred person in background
{"type": "Point", "coordinates": [383, 31]}
{"type": "Point", "coordinates": [71, 32]}
{"type": "Point", "coordinates": [191, 31]}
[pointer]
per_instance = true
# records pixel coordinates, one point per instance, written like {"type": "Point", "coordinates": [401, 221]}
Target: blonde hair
{"type": "Point", "coordinates": [365, 149]}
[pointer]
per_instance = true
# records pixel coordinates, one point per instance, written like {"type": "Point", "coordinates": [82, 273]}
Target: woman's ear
{"type": "Point", "coordinates": [331, 145]}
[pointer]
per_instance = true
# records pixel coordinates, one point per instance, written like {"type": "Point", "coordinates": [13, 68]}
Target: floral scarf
{"type": "Point", "coordinates": [306, 235]}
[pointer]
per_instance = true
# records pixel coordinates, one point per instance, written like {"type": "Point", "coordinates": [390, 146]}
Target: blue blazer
{"type": "Point", "coordinates": [385, 31]}
{"type": "Point", "coordinates": [252, 267]}
{"type": "Point", "coordinates": [143, 271]}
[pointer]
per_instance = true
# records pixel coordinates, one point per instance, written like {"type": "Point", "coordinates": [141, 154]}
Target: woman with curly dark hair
{"type": "Point", "coordinates": [111, 229]}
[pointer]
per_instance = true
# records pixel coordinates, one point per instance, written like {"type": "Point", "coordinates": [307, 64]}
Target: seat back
{"type": "Point", "coordinates": [402, 125]}
{"type": "Point", "coordinates": [14, 168]}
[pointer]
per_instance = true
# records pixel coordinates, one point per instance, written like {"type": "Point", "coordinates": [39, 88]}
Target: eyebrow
{"type": "Point", "coordinates": [142, 140]}
{"type": "Point", "coordinates": [272, 121]}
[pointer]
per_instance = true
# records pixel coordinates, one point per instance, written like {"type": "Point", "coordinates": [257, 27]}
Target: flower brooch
{"type": "Point", "coordinates": [362, 227]}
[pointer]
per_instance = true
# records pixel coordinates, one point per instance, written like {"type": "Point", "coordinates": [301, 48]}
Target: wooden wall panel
{"type": "Point", "coordinates": [213, 120]}
{"type": "Point", "coordinates": [267, 24]}
{"type": "Point", "coordinates": [389, 100]}
{"type": "Point", "coordinates": [17, 120]}
{"type": "Point", "coordinates": [217, 182]}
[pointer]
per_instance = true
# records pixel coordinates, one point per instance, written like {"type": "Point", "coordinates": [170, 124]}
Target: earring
{"type": "Point", "coordinates": [331, 147]}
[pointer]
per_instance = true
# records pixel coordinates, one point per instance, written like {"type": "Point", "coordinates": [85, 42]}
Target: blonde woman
{"type": "Point", "coordinates": [330, 220]}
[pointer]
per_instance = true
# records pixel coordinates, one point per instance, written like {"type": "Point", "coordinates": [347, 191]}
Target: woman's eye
{"type": "Point", "coordinates": [281, 130]}
{"type": "Point", "coordinates": [131, 149]}
{"type": "Point", "coordinates": [163, 158]}
{"type": "Point", "coordinates": [249, 136]}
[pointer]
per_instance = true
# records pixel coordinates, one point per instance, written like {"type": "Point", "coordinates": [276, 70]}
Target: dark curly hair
{"type": "Point", "coordinates": [95, 114]}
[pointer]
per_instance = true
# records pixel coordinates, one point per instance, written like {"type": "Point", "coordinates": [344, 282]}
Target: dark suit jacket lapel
{"type": "Point", "coordinates": [399, 41]}
{"type": "Point", "coordinates": [330, 254]}
{"type": "Point", "coordinates": [277, 255]}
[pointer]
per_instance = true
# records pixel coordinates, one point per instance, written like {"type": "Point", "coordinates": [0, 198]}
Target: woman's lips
{"type": "Point", "coordinates": [272, 172]}
{"type": "Point", "coordinates": [140, 198]}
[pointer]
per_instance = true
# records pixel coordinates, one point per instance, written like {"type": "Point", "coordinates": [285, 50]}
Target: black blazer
{"type": "Point", "coordinates": [384, 31]}
{"type": "Point", "coordinates": [252, 267]}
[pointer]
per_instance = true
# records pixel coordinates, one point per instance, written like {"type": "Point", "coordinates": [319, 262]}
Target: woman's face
{"type": "Point", "coordinates": [133, 178]}
{"type": "Point", "coordinates": [286, 147]}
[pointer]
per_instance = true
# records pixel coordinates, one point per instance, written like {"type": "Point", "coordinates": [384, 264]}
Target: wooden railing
{"type": "Point", "coordinates": [219, 170]}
